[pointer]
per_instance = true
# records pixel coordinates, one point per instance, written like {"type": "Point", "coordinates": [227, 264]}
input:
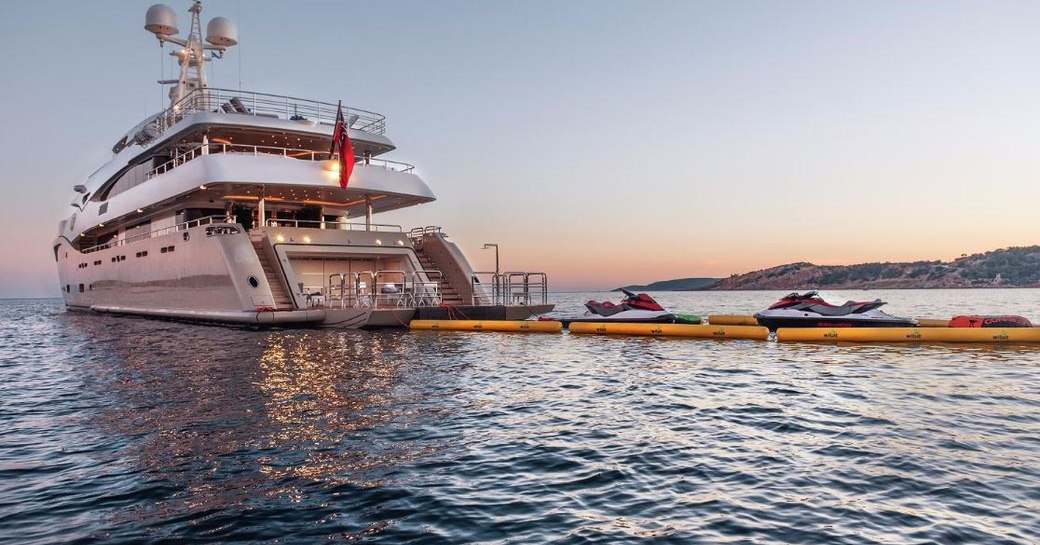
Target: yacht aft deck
{"type": "Point", "coordinates": [336, 266]}
{"type": "Point", "coordinates": [323, 273]}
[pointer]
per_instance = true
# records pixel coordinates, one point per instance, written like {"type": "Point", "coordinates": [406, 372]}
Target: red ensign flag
{"type": "Point", "coordinates": [341, 143]}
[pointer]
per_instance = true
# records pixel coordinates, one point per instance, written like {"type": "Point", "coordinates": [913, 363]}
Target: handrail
{"type": "Point", "coordinates": [511, 287]}
{"type": "Point", "coordinates": [380, 227]}
{"type": "Point", "coordinates": [157, 233]}
{"type": "Point", "coordinates": [415, 232]}
{"type": "Point", "coordinates": [350, 290]}
{"type": "Point", "coordinates": [232, 101]}
{"type": "Point", "coordinates": [214, 148]}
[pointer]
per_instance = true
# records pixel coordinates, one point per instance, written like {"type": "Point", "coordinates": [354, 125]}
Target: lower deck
{"type": "Point", "coordinates": [212, 270]}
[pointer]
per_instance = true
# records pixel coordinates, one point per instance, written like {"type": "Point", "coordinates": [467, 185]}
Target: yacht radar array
{"type": "Point", "coordinates": [221, 34]}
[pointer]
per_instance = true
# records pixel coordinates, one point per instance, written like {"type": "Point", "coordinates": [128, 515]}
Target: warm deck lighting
{"type": "Point", "coordinates": [202, 187]}
{"type": "Point", "coordinates": [279, 238]}
{"type": "Point", "coordinates": [379, 242]}
{"type": "Point", "coordinates": [307, 239]}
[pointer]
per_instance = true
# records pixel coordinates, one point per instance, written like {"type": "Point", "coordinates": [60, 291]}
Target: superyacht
{"type": "Point", "coordinates": [242, 207]}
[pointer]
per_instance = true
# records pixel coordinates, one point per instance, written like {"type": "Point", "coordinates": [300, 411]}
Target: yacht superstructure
{"type": "Point", "coordinates": [227, 207]}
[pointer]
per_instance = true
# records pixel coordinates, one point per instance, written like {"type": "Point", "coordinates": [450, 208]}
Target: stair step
{"type": "Point", "coordinates": [279, 291]}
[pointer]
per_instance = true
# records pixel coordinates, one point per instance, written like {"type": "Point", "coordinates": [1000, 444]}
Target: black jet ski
{"type": "Point", "coordinates": [810, 310]}
{"type": "Point", "coordinates": [634, 308]}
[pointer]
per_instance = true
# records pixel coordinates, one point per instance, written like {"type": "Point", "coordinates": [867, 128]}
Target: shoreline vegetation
{"type": "Point", "coordinates": [1015, 267]}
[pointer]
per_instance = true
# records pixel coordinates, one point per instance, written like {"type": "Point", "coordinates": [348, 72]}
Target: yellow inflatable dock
{"type": "Point", "coordinates": [523, 326]}
{"type": "Point", "coordinates": [731, 319]}
{"type": "Point", "coordinates": [910, 334]}
{"type": "Point", "coordinates": [672, 330]}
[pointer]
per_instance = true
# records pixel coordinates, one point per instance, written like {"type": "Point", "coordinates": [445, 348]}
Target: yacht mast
{"type": "Point", "coordinates": [220, 33]}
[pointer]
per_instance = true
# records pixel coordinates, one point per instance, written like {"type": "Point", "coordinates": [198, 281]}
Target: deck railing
{"type": "Point", "coordinates": [213, 148]}
{"type": "Point", "coordinates": [332, 225]}
{"type": "Point", "coordinates": [510, 288]}
{"type": "Point", "coordinates": [377, 289]}
{"type": "Point", "coordinates": [306, 111]}
{"type": "Point", "coordinates": [165, 231]}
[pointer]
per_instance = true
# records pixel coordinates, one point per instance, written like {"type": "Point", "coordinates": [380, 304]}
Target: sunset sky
{"type": "Point", "coordinates": [603, 142]}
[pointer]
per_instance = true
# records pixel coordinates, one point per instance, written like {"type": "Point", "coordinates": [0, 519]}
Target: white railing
{"type": "Point", "coordinates": [510, 288]}
{"type": "Point", "coordinates": [377, 289]}
{"type": "Point", "coordinates": [332, 225]}
{"type": "Point", "coordinates": [306, 111]}
{"type": "Point", "coordinates": [294, 153]}
{"type": "Point", "coordinates": [165, 231]}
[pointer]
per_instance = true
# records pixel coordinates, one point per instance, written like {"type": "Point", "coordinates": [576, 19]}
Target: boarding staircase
{"type": "Point", "coordinates": [279, 291]}
{"type": "Point", "coordinates": [449, 295]}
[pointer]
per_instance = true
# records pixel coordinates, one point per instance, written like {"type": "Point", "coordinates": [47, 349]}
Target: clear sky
{"type": "Point", "coordinates": [604, 142]}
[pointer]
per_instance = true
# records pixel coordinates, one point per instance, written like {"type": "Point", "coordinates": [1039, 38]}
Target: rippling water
{"type": "Point", "coordinates": [132, 431]}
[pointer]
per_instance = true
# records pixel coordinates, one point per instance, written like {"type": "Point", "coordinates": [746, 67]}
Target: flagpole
{"type": "Point", "coordinates": [339, 113]}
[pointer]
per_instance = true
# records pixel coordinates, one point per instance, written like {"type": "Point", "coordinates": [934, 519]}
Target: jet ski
{"type": "Point", "coordinates": [810, 310]}
{"type": "Point", "coordinates": [635, 308]}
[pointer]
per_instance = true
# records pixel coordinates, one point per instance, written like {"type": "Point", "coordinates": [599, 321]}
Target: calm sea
{"type": "Point", "coordinates": [122, 430]}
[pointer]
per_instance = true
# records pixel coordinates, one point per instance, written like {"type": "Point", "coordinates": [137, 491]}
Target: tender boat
{"type": "Point", "coordinates": [810, 310]}
{"type": "Point", "coordinates": [236, 206]}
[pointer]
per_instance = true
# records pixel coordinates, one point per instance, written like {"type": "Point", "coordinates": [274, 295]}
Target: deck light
{"type": "Point", "coordinates": [279, 238]}
{"type": "Point", "coordinates": [400, 243]}
{"type": "Point", "coordinates": [203, 187]}
{"type": "Point", "coordinates": [307, 239]}
{"type": "Point", "coordinates": [139, 210]}
{"type": "Point", "coordinates": [379, 242]}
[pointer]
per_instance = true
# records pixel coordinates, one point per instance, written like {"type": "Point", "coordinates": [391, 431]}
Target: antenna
{"type": "Point", "coordinates": [161, 21]}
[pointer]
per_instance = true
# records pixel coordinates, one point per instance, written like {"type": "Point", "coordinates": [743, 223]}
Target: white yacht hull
{"type": "Point", "coordinates": [214, 273]}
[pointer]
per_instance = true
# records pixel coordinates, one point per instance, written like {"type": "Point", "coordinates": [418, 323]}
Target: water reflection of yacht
{"type": "Point", "coordinates": [226, 207]}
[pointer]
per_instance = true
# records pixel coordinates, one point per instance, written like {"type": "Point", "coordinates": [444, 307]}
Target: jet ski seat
{"type": "Point", "coordinates": [606, 308]}
{"type": "Point", "coordinates": [850, 307]}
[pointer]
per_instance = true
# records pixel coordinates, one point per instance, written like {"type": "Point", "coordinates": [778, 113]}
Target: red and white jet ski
{"type": "Point", "coordinates": [635, 308]}
{"type": "Point", "coordinates": [810, 310]}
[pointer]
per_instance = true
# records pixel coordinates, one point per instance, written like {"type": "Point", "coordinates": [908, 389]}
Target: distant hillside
{"type": "Point", "coordinates": [681, 284]}
{"type": "Point", "coordinates": [1011, 267]}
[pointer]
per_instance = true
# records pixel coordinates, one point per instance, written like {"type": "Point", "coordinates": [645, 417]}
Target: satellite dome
{"type": "Point", "coordinates": [221, 31]}
{"type": "Point", "coordinates": [161, 19]}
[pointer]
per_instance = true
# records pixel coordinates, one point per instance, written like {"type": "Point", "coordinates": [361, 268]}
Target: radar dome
{"type": "Point", "coordinates": [161, 19]}
{"type": "Point", "coordinates": [221, 31]}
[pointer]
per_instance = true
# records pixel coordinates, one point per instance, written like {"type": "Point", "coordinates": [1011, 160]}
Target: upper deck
{"type": "Point", "coordinates": [304, 113]}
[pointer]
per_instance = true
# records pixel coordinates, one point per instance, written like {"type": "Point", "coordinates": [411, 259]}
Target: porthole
{"type": "Point", "coordinates": [253, 281]}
